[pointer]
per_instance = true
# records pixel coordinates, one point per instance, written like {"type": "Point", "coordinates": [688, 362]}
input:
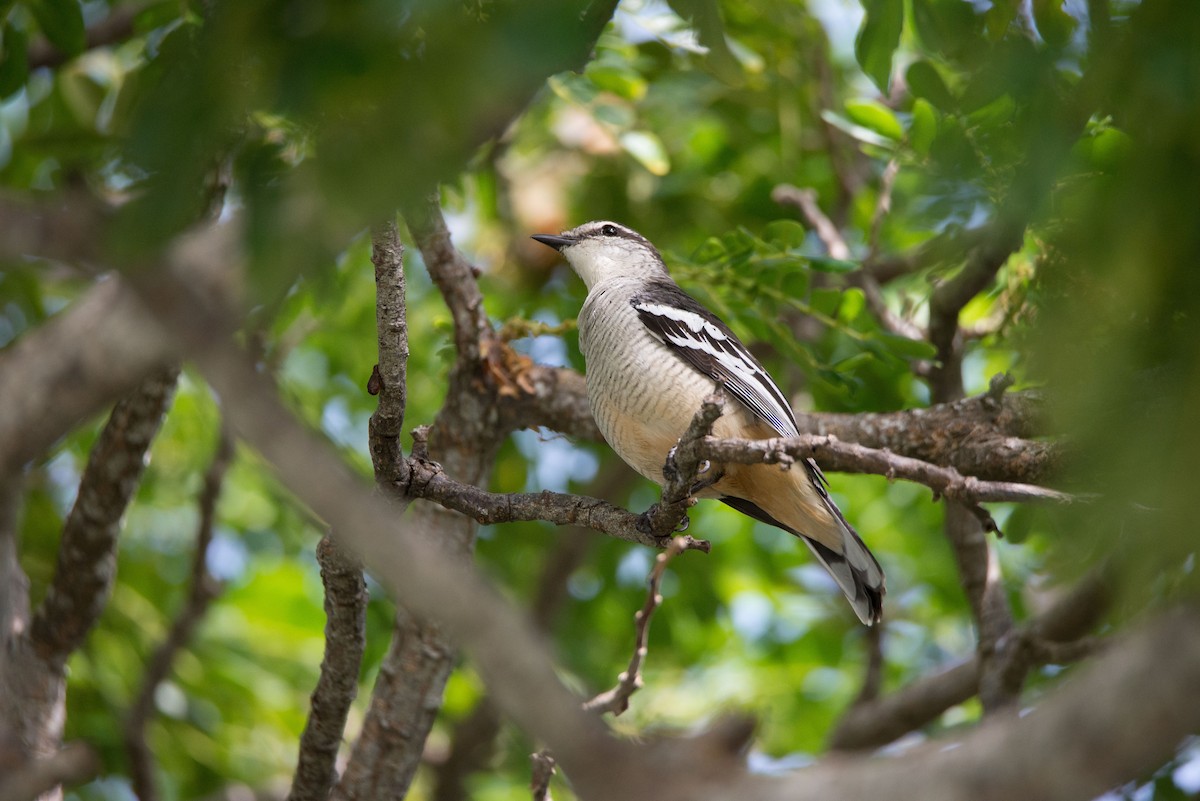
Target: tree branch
{"type": "Point", "coordinates": [848, 457]}
{"type": "Point", "coordinates": [96, 350]}
{"type": "Point", "coordinates": [961, 434]}
{"type": "Point", "coordinates": [337, 686]}
{"type": "Point", "coordinates": [685, 463]}
{"type": "Point", "coordinates": [74, 763]}
{"type": "Point", "coordinates": [543, 772]}
{"type": "Point", "coordinates": [806, 201]}
{"type": "Point", "coordinates": [949, 298]}
{"type": "Point", "coordinates": [389, 380]}
{"type": "Point", "coordinates": [453, 275]}
{"type": "Point", "coordinates": [87, 555]}
{"type": "Point", "coordinates": [203, 588]}
{"type": "Point", "coordinates": [616, 700]}
{"type": "Point", "coordinates": [345, 590]}
{"type": "Point", "coordinates": [1069, 747]}
{"type": "Point", "coordinates": [407, 693]}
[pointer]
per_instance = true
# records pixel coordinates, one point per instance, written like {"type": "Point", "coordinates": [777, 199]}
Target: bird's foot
{"type": "Point", "coordinates": [670, 469]}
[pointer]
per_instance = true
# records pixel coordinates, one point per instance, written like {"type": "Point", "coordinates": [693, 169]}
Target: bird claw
{"type": "Point", "coordinates": [670, 469]}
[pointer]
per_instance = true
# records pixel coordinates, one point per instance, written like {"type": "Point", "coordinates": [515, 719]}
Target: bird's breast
{"type": "Point", "coordinates": [643, 396]}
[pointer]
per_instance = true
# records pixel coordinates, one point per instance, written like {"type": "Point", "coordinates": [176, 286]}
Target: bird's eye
{"type": "Point", "coordinates": [609, 230]}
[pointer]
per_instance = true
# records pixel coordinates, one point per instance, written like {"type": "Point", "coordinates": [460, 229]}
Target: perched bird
{"type": "Point", "coordinates": [654, 353]}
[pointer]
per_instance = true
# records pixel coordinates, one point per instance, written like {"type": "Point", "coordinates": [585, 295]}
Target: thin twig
{"type": "Point", "coordinates": [453, 275]}
{"type": "Point", "coordinates": [203, 589]}
{"type": "Point", "coordinates": [616, 700]}
{"type": "Point", "coordinates": [806, 201]}
{"type": "Point", "coordinates": [543, 771]}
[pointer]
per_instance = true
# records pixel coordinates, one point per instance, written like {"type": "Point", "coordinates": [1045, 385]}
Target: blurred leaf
{"type": "Point", "coordinates": [907, 348]}
{"type": "Point", "coordinates": [859, 132]}
{"type": "Point", "coordinates": [787, 234]}
{"type": "Point", "coordinates": [995, 113]}
{"type": "Point", "coordinates": [999, 17]}
{"type": "Point", "coordinates": [878, 38]}
{"type": "Point", "coordinates": [876, 117]}
{"type": "Point", "coordinates": [924, 126]}
{"type": "Point", "coordinates": [619, 80]}
{"type": "Point", "coordinates": [62, 23]}
{"type": "Point", "coordinates": [648, 150]}
{"type": "Point", "coordinates": [1053, 23]}
{"type": "Point", "coordinates": [926, 82]}
{"type": "Point", "coordinates": [948, 27]}
{"type": "Point", "coordinates": [828, 265]}
{"type": "Point", "coordinates": [14, 62]}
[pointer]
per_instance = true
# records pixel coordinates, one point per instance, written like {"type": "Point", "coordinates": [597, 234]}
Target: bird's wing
{"type": "Point", "coordinates": [698, 336]}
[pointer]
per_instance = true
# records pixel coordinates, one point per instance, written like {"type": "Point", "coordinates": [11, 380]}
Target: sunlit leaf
{"type": "Point", "coordinates": [859, 132]}
{"type": "Point", "coordinates": [621, 81]}
{"type": "Point", "coordinates": [924, 126]}
{"type": "Point", "coordinates": [648, 150]}
{"type": "Point", "coordinates": [876, 117]}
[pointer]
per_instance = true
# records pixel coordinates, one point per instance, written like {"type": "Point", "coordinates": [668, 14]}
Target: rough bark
{"type": "Point", "coordinates": [33, 661]}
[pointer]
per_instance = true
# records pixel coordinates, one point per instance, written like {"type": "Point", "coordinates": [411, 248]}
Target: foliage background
{"type": "Point", "coordinates": [994, 118]}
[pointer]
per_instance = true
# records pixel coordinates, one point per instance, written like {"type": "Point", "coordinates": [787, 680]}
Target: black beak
{"type": "Point", "coordinates": [555, 241]}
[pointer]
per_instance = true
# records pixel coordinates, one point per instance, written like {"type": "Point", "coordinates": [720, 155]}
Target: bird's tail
{"type": "Point", "coordinates": [855, 569]}
{"type": "Point", "coordinates": [857, 573]}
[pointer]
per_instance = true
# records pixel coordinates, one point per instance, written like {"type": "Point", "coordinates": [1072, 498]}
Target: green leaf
{"type": "Point", "coordinates": [876, 117]}
{"type": "Point", "coordinates": [906, 348]}
{"type": "Point", "coordinates": [827, 265]}
{"type": "Point", "coordinates": [62, 23]}
{"type": "Point", "coordinates": [924, 126]}
{"type": "Point", "coordinates": [859, 132]}
{"type": "Point", "coordinates": [995, 113]}
{"type": "Point", "coordinates": [785, 234]}
{"type": "Point", "coordinates": [925, 81]}
{"type": "Point", "coordinates": [1053, 23]}
{"type": "Point", "coordinates": [878, 38]}
{"type": "Point", "coordinates": [949, 27]}
{"type": "Point", "coordinates": [619, 80]}
{"type": "Point", "coordinates": [999, 17]}
{"type": "Point", "coordinates": [14, 62]}
{"type": "Point", "coordinates": [648, 150]}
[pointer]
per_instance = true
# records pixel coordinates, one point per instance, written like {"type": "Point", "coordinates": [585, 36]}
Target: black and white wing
{"type": "Point", "coordinates": [699, 337]}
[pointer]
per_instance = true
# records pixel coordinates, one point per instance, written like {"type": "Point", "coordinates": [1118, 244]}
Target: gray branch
{"type": "Point", "coordinates": [337, 685]}
{"type": "Point", "coordinates": [87, 556]}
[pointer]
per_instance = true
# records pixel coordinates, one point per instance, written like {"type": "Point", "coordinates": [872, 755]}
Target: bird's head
{"type": "Point", "coordinates": [601, 250]}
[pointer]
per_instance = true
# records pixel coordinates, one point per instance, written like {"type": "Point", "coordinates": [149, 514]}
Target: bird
{"type": "Point", "coordinates": [653, 353]}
